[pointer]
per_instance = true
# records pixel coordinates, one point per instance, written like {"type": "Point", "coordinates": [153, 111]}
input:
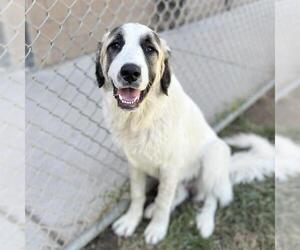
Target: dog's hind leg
{"type": "Point", "coordinates": [213, 184]}
{"type": "Point", "coordinates": [205, 219]}
{"type": "Point", "coordinates": [215, 173]}
{"type": "Point", "coordinates": [181, 195]}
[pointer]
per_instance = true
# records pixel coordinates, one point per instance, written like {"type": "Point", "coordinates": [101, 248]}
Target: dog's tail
{"type": "Point", "coordinates": [253, 158]}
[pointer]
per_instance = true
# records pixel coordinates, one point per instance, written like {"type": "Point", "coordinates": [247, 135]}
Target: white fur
{"type": "Point", "coordinates": [168, 138]}
{"type": "Point", "coordinates": [257, 163]}
{"type": "Point", "coordinates": [263, 159]}
{"type": "Point", "coordinates": [181, 195]}
{"type": "Point", "coordinates": [130, 53]}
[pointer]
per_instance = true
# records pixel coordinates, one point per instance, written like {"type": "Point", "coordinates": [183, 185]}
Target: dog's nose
{"type": "Point", "coordinates": [130, 72]}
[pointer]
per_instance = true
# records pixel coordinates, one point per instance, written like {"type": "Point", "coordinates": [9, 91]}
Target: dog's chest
{"type": "Point", "coordinates": [146, 145]}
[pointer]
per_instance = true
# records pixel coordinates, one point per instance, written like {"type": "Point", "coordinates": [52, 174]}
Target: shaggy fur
{"type": "Point", "coordinates": [255, 164]}
{"type": "Point", "coordinates": [165, 136]}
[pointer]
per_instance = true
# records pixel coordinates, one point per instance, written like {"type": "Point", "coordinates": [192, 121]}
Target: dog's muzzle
{"type": "Point", "coordinates": [129, 96]}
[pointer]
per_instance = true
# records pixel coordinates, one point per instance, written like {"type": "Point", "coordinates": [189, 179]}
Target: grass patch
{"type": "Point", "coordinates": [232, 108]}
{"type": "Point", "coordinates": [247, 223]}
{"type": "Point", "coordinates": [245, 125]}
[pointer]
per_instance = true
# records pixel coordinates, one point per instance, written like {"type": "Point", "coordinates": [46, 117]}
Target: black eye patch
{"type": "Point", "coordinates": [117, 44]}
{"type": "Point", "coordinates": [148, 46]}
{"type": "Point", "coordinates": [114, 48]}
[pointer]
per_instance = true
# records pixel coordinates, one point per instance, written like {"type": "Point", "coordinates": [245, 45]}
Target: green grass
{"type": "Point", "coordinates": [242, 124]}
{"type": "Point", "coordinates": [248, 223]}
{"type": "Point", "coordinates": [232, 108]}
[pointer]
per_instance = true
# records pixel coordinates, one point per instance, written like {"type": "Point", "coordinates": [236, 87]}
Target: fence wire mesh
{"type": "Point", "coordinates": [12, 126]}
{"type": "Point", "coordinates": [223, 54]}
{"type": "Point", "coordinates": [12, 170]}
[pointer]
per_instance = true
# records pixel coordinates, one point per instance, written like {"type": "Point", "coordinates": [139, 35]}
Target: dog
{"type": "Point", "coordinates": [162, 132]}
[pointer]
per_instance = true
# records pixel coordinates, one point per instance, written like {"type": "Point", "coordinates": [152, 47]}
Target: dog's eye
{"type": "Point", "coordinates": [150, 49]}
{"type": "Point", "coordinates": [115, 46]}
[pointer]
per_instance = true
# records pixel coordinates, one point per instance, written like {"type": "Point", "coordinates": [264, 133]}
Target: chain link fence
{"type": "Point", "coordinates": [223, 54]}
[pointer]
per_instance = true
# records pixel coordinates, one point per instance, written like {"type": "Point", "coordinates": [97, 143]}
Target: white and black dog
{"type": "Point", "coordinates": [163, 133]}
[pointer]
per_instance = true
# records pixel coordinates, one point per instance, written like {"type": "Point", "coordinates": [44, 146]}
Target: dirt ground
{"type": "Point", "coordinates": [247, 223]}
{"type": "Point", "coordinates": [287, 193]}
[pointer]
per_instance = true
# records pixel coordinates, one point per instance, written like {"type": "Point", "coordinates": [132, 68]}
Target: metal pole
{"type": "Point", "coordinates": [286, 90]}
{"type": "Point", "coordinates": [98, 227]}
{"type": "Point", "coordinates": [231, 117]}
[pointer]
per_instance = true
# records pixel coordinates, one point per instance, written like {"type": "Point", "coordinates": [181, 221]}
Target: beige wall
{"type": "Point", "coordinates": [12, 19]}
{"type": "Point", "coordinates": [73, 28]}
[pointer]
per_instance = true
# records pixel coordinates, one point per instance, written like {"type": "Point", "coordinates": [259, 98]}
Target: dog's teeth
{"type": "Point", "coordinates": [128, 102]}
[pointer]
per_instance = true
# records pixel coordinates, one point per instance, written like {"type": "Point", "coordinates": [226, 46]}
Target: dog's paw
{"type": "Point", "coordinates": [149, 211]}
{"type": "Point", "coordinates": [205, 225]}
{"type": "Point", "coordinates": [155, 232]}
{"type": "Point", "coordinates": [125, 226]}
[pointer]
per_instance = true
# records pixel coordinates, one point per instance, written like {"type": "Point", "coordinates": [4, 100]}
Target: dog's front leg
{"type": "Point", "coordinates": [126, 225]}
{"type": "Point", "coordinates": [157, 229]}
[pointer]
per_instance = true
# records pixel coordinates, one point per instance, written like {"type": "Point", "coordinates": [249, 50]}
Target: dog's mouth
{"type": "Point", "coordinates": [129, 98]}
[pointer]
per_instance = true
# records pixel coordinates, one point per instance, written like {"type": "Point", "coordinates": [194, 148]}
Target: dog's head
{"type": "Point", "coordinates": [131, 60]}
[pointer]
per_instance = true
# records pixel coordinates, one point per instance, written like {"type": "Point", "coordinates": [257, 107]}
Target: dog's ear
{"type": "Point", "coordinates": [99, 73]}
{"type": "Point", "coordinates": [166, 75]}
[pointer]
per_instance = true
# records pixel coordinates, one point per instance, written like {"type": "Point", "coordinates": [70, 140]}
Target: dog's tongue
{"type": "Point", "coordinates": [129, 94]}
